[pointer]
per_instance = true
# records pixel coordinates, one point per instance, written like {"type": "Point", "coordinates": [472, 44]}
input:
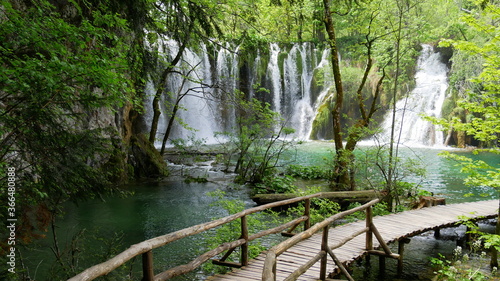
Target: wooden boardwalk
{"type": "Point", "coordinates": [392, 228]}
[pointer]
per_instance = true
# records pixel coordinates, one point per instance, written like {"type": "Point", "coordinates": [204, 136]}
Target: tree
{"type": "Point", "coordinates": [177, 97]}
{"type": "Point", "coordinates": [257, 140]}
{"type": "Point", "coordinates": [404, 38]}
{"type": "Point", "coordinates": [482, 101]}
{"type": "Point", "coordinates": [60, 75]}
{"type": "Point", "coordinates": [342, 170]}
{"type": "Point", "coordinates": [187, 22]}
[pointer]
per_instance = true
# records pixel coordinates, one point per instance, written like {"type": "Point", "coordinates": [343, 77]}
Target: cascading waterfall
{"type": "Point", "coordinates": [303, 112]}
{"type": "Point", "coordinates": [292, 81]}
{"type": "Point", "coordinates": [252, 75]}
{"type": "Point", "coordinates": [291, 85]}
{"type": "Point", "coordinates": [296, 87]}
{"type": "Point", "coordinates": [274, 75]}
{"type": "Point", "coordinates": [426, 99]}
{"type": "Point", "coordinates": [198, 110]}
{"type": "Point", "coordinates": [226, 77]}
{"type": "Point", "coordinates": [289, 74]}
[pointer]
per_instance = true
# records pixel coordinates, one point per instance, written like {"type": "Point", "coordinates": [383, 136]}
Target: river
{"type": "Point", "coordinates": [157, 208]}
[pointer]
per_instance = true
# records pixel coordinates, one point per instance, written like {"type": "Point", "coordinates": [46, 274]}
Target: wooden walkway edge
{"type": "Point", "coordinates": [393, 227]}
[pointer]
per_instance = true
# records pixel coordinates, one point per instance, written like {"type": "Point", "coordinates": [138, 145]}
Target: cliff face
{"type": "Point", "coordinates": [70, 88]}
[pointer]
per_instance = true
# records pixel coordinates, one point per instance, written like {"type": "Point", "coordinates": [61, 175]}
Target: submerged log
{"type": "Point", "coordinates": [361, 196]}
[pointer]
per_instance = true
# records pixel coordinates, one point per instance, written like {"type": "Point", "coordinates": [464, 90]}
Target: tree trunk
{"type": "Point", "coordinates": [394, 146]}
{"type": "Point", "coordinates": [341, 178]}
{"type": "Point", "coordinates": [159, 92]}
{"type": "Point", "coordinates": [169, 126]}
{"type": "Point", "coordinates": [461, 139]}
{"type": "Point", "coordinates": [344, 158]}
{"type": "Point", "coordinates": [494, 252]}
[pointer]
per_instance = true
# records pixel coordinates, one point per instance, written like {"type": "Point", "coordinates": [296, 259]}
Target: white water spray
{"type": "Point", "coordinates": [291, 74]}
{"type": "Point", "coordinates": [274, 75]}
{"type": "Point", "coordinates": [425, 100]}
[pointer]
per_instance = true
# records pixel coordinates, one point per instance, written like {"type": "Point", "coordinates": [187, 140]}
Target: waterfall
{"type": "Point", "coordinates": [426, 99]}
{"type": "Point", "coordinates": [292, 84]}
{"type": "Point", "coordinates": [303, 112]}
{"type": "Point", "coordinates": [226, 77]}
{"type": "Point", "coordinates": [286, 72]}
{"type": "Point", "coordinates": [274, 75]}
{"type": "Point", "coordinates": [199, 113]}
{"type": "Point", "coordinates": [297, 85]}
{"type": "Point", "coordinates": [252, 79]}
{"type": "Point", "coordinates": [199, 109]}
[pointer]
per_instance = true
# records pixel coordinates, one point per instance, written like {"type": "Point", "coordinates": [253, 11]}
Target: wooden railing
{"type": "Point", "coordinates": [269, 271]}
{"type": "Point", "coordinates": [145, 248]}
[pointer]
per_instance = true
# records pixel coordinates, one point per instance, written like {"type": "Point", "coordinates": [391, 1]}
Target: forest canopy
{"type": "Point", "coordinates": [73, 78]}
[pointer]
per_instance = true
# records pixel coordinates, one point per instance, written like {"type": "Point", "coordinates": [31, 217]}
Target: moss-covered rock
{"type": "Point", "coordinates": [145, 158]}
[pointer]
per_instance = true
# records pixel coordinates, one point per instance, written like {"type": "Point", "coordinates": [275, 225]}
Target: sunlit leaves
{"type": "Point", "coordinates": [482, 101]}
{"type": "Point", "coordinates": [480, 173]}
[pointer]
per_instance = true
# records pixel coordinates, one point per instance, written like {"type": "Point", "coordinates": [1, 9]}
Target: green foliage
{"type": "Point", "coordinates": [183, 20]}
{"type": "Point", "coordinates": [321, 209]}
{"type": "Point", "coordinates": [232, 231]}
{"type": "Point", "coordinates": [463, 266]}
{"type": "Point", "coordinates": [379, 209]}
{"type": "Point", "coordinates": [490, 241]}
{"type": "Point", "coordinates": [275, 184]}
{"type": "Point", "coordinates": [469, 266]}
{"type": "Point", "coordinates": [308, 172]}
{"type": "Point", "coordinates": [479, 97]}
{"type": "Point", "coordinates": [257, 142]}
{"type": "Point", "coordinates": [289, 21]}
{"type": "Point", "coordinates": [407, 173]}
{"type": "Point", "coordinates": [191, 144]}
{"type": "Point", "coordinates": [482, 92]}
{"type": "Point", "coordinates": [481, 101]}
{"type": "Point", "coordinates": [199, 179]}
{"type": "Point", "coordinates": [85, 248]}
{"type": "Point", "coordinates": [60, 73]}
{"type": "Point", "coordinates": [479, 172]}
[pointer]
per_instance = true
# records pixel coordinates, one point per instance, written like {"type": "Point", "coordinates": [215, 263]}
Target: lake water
{"type": "Point", "coordinates": [158, 208]}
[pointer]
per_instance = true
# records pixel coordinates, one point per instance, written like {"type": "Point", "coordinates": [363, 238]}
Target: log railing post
{"type": "Point", "coordinates": [147, 266]}
{"type": "Point", "coordinates": [401, 249]}
{"type": "Point", "coordinates": [369, 233]}
{"type": "Point", "coordinates": [269, 271]}
{"type": "Point", "coordinates": [244, 235]}
{"type": "Point", "coordinates": [324, 259]}
{"type": "Point", "coordinates": [307, 213]}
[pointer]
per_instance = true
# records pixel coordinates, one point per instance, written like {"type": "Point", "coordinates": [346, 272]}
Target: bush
{"type": "Point", "coordinates": [464, 266]}
{"type": "Point", "coordinates": [275, 185]}
{"type": "Point", "coordinates": [308, 172]}
{"type": "Point", "coordinates": [256, 142]}
{"type": "Point", "coordinates": [321, 209]}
